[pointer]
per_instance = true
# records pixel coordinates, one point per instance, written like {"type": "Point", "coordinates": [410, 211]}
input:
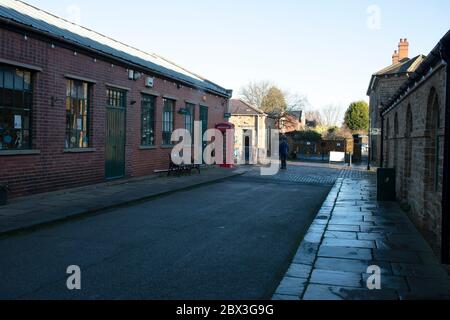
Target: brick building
{"type": "Point", "coordinates": [78, 108]}
{"type": "Point", "coordinates": [415, 122]}
{"type": "Point", "coordinates": [252, 127]}
{"type": "Point", "coordinates": [292, 121]}
{"type": "Point", "coordinates": [383, 85]}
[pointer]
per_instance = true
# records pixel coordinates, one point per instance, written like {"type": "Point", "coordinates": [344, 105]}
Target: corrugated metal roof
{"type": "Point", "coordinates": [28, 15]}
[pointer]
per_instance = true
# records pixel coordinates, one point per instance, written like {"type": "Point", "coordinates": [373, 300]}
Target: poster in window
{"type": "Point", "coordinates": [79, 124]}
{"type": "Point", "coordinates": [17, 122]}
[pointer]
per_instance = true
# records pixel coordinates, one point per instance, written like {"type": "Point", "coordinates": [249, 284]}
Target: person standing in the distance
{"type": "Point", "coordinates": [284, 152]}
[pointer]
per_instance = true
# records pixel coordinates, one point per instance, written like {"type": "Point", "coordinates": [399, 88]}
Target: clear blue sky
{"type": "Point", "coordinates": [324, 49]}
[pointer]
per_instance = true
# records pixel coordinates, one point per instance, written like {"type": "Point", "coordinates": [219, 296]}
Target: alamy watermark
{"type": "Point", "coordinates": [374, 18]}
{"type": "Point", "coordinates": [215, 147]}
{"type": "Point", "coordinates": [374, 280]}
{"type": "Point", "coordinates": [73, 282]}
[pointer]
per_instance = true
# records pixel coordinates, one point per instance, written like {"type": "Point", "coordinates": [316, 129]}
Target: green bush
{"type": "Point", "coordinates": [307, 135]}
{"type": "Point", "coordinates": [357, 116]}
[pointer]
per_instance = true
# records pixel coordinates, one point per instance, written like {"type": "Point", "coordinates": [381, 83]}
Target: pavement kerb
{"type": "Point", "coordinates": [333, 196]}
{"type": "Point", "coordinates": [104, 209]}
{"type": "Point", "coordinates": [327, 207]}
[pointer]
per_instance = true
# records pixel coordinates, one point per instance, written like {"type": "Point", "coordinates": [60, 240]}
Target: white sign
{"type": "Point", "coordinates": [337, 156]}
{"type": "Point", "coordinates": [17, 122]}
{"type": "Point", "coordinates": [149, 82]}
{"type": "Point", "coordinates": [375, 132]}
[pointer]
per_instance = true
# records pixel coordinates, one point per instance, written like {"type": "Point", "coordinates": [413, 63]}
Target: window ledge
{"type": "Point", "coordinates": [80, 150]}
{"type": "Point", "coordinates": [19, 152]}
{"type": "Point", "coordinates": [148, 147]}
{"type": "Point", "coordinates": [167, 146]}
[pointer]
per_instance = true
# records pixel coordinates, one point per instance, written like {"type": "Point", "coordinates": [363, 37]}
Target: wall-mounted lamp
{"type": "Point", "coordinates": [133, 102]}
{"type": "Point", "coordinates": [137, 75]}
{"type": "Point", "coordinates": [54, 100]}
{"type": "Point", "coordinates": [134, 75]}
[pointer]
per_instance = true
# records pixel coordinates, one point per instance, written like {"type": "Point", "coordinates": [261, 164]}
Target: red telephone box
{"type": "Point", "coordinates": [228, 144]}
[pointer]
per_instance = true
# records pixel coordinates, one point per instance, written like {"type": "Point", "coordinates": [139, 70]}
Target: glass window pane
{"type": "Point", "coordinates": [68, 88]}
{"type": "Point", "coordinates": [28, 99]}
{"type": "Point", "coordinates": [1, 78]}
{"type": "Point", "coordinates": [18, 80]}
{"type": "Point", "coordinates": [8, 97]}
{"type": "Point", "coordinates": [18, 99]}
{"type": "Point", "coordinates": [73, 89]}
{"type": "Point", "coordinates": [147, 116]}
{"type": "Point", "coordinates": [85, 91]}
{"type": "Point", "coordinates": [9, 79]}
{"type": "Point", "coordinates": [27, 80]}
{"type": "Point", "coordinates": [77, 111]}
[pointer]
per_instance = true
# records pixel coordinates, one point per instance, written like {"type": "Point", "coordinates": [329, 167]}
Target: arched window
{"type": "Point", "coordinates": [388, 134]}
{"type": "Point", "coordinates": [407, 165]}
{"type": "Point", "coordinates": [396, 141]}
{"type": "Point", "coordinates": [432, 144]}
{"type": "Point", "coordinates": [408, 133]}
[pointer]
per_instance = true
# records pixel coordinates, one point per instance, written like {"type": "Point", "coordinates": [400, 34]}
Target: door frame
{"type": "Point", "coordinates": [124, 108]}
{"type": "Point", "coordinates": [202, 108]}
{"type": "Point", "coordinates": [247, 133]}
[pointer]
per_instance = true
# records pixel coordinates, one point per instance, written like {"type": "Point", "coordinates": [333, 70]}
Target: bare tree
{"type": "Point", "coordinates": [255, 92]}
{"type": "Point", "coordinates": [332, 115]}
{"type": "Point", "coordinates": [296, 102]}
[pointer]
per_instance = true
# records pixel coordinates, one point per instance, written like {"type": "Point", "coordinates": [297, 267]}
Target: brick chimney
{"type": "Point", "coordinates": [403, 49]}
{"type": "Point", "coordinates": [395, 57]}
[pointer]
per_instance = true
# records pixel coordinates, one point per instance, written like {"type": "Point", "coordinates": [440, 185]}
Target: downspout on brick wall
{"type": "Point", "coordinates": [446, 167]}
{"type": "Point", "coordinates": [382, 140]}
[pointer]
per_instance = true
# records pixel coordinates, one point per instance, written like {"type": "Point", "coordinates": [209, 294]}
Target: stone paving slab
{"type": "Point", "coordinates": [353, 231]}
{"type": "Point", "coordinates": [43, 209]}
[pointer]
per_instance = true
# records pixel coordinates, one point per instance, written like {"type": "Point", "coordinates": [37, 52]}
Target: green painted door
{"type": "Point", "coordinates": [204, 120]}
{"type": "Point", "coordinates": [115, 134]}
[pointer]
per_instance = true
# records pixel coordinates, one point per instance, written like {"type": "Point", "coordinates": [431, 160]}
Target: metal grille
{"type": "Point", "coordinates": [167, 125]}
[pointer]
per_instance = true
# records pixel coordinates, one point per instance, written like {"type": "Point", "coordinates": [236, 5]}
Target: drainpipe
{"type": "Point", "coordinates": [382, 141]}
{"type": "Point", "coordinates": [370, 144]}
{"type": "Point", "coordinates": [446, 174]}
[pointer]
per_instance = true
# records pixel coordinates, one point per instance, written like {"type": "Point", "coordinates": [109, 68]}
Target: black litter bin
{"type": "Point", "coordinates": [386, 185]}
{"type": "Point", "coordinates": [3, 194]}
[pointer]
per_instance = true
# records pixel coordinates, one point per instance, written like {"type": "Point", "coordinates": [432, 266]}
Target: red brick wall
{"type": "Point", "coordinates": [53, 168]}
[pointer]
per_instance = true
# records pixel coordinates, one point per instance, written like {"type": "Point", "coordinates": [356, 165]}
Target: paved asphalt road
{"type": "Point", "coordinates": [230, 240]}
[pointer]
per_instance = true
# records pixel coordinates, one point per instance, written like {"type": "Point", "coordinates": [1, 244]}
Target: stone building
{"type": "Point", "coordinates": [415, 130]}
{"type": "Point", "coordinates": [252, 127]}
{"type": "Point", "coordinates": [292, 121]}
{"type": "Point", "coordinates": [383, 85]}
{"type": "Point", "coordinates": [78, 108]}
